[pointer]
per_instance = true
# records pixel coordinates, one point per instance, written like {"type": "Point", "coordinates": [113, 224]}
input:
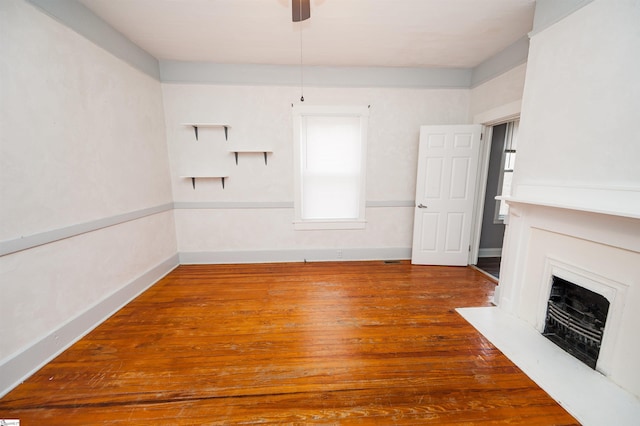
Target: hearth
{"type": "Point", "coordinates": [575, 320]}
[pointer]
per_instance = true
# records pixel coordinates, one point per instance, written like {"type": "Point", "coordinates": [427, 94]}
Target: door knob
{"type": "Point", "coordinates": [422, 206]}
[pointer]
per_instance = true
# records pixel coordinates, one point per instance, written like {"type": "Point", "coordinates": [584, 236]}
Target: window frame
{"type": "Point", "coordinates": [299, 113]}
{"type": "Point", "coordinates": [509, 147]}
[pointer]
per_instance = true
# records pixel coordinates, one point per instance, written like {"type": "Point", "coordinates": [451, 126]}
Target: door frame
{"type": "Point", "coordinates": [488, 119]}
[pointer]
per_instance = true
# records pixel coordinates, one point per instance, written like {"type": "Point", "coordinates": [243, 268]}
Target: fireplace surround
{"type": "Point", "coordinates": [550, 232]}
{"type": "Point", "coordinates": [597, 250]}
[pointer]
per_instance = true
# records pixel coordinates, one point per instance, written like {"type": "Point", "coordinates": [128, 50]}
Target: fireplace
{"type": "Point", "coordinates": [581, 311]}
{"type": "Point", "coordinates": [551, 236]}
{"type": "Point", "coordinates": [575, 320]}
{"type": "Point", "coordinates": [596, 251]}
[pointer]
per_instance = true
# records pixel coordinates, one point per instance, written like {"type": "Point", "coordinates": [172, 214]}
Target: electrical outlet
{"type": "Point", "coordinates": [339, 254]}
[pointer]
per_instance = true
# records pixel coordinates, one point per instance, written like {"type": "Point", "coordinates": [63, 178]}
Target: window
{"type": "Point", "coordinates": [330, 152]}
{"type": "Point", "coordinates": [508, 163]}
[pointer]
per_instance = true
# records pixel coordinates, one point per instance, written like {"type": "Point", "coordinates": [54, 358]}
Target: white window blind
{"type": "Point", "coordinates": [330, 158]}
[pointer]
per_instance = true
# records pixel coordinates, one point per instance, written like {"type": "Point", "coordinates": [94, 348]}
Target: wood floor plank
{"type": "Point", "coordinates": [326, 343]}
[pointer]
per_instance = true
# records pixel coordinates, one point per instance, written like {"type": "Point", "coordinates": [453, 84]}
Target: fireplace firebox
{"type": "Point", "coordinates": [575, 320]}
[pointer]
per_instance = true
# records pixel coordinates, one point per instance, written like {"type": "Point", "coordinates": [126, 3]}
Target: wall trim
{"type": "Point", "coordinates": [391, 203]}
{"type": "Point", "coordinates": [513, 55]}
{"type": "Point", "coordinates": [293, 255]}
{"type": "Point", "coordinates": [195, 205]}
{"type": "Point", "coordinates": [82, 20]}
{"type": "Point", "coordinates": [19, 367]}
{"type": "Point", "coordinates": [314, 76]}
{"type": "Point", "coordinates": [46, 237]}
{"type": "Point", "coordinates": [550, 12]}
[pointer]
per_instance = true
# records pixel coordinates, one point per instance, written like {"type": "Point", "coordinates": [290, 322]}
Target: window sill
{"type": "Point", "coordinates": [315, 225]}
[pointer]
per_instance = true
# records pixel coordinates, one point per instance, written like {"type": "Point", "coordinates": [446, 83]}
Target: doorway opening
{"type": "Point", "coordinates": [502, 152]}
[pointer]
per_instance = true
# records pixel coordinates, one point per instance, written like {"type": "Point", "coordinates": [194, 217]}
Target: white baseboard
{"type": "Point", "coordinates": [16, 369]}
{"type": "Point", "coordinates": [304, 255]}
{"type": "Point", "coordinates": [490, 252]}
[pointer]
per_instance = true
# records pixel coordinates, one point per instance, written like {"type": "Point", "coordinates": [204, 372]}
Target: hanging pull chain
{"type": "Point", "coordinates": [301, 68]}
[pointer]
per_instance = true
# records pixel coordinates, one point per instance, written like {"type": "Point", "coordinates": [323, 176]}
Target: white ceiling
{"type": "Point", "coordinates": [399, 33]}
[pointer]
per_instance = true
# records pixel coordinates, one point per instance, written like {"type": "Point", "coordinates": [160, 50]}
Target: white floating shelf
{"type": "Point", "coordinates": [193, 178]}
{"type": "Point", "coordinates": [195, 126]}
{"type": "Point", "coordinates": [265, 151]}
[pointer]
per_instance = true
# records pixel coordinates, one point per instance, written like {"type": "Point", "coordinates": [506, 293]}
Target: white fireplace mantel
{"type": "Point", "coordinates": [597, 232]}
{"type": "Point", "coordinates": [611, 201]}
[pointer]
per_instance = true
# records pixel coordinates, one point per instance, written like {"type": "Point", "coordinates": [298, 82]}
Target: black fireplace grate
{"type": "Point", "coordinates": [575, 320]}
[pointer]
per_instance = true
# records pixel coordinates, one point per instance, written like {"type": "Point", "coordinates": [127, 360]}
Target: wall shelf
{"type": "Point", "coordinates": [195, 126]}
{"type": "Point", "coordinates": [243, 151]}
{"type": "Point", "coordinates": [194, 177]}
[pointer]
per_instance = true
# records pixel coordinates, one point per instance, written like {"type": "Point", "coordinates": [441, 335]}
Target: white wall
{"type": "Point", "coordinates": [581, 102]}
{"type": "Point", "coordinates": [82, 151]}
{"type": "Point", "coordinates": [210, 229]}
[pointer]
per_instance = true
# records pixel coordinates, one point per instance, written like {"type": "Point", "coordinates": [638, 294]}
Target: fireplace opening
{"type": "Point", "coordinates": [575, 320]}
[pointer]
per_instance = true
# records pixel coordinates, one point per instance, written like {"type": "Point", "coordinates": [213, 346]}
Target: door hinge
{"type": "Point", "coordinates": [469, 248]}
{"type": "Point", "coordinates": [481, 135]}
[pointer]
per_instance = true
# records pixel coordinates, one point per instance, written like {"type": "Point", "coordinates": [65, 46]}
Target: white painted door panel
{"type": "Point", "coordinates": [445, 191]}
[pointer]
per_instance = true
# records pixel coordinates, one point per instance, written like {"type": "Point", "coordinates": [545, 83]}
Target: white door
{"type": "Point", "coordinates": [445, 191]}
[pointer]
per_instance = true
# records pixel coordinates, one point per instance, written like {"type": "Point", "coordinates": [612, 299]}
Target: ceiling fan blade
{"type": "Point", "coordinates": [300, 10]}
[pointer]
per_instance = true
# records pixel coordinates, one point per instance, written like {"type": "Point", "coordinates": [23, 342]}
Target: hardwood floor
{"type": "Point", "coordinates": [491, 265]}
{"type": "Point", "coordinates": [299, 343]}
